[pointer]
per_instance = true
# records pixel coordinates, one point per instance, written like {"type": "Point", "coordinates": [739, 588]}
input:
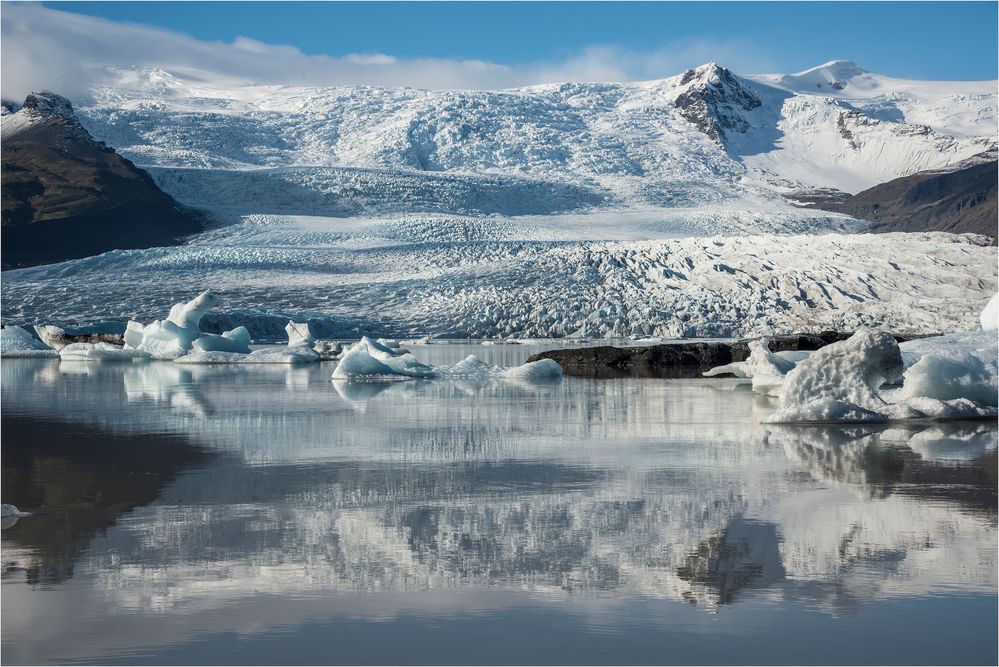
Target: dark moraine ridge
{"type": "Point", "coordinates": [959, 199]}
{"type": "Point", "coordinates": [676, 360]}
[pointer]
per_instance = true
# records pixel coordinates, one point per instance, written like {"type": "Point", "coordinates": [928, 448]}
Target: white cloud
{"type": "Point", "coordinates": [47, 49]}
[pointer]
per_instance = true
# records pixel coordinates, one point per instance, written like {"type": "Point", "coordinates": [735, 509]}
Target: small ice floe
{"type": "Point", "coordinates": [534, 371]}
{"type": "Point", "coordinates": [765, 369]}
{"type": "Point", "coordinates": [18, 342]}
{"type": "Point", "coordinates": [100, 352]}
{"type": "Point", "coordinates": [236, 341]}
{"type": "Point", "coordinates": [9, 514]}
{"type": "Point", "coordinates": [368, 358]}
{"type": "Point", "coordinates": [275, 354]}
{"type": "Point", "coordinates": [372, 360]}
{"type": "Point", "coordinates": [54, 337]}
{"type": "Point", "coordinates": [328, 349]}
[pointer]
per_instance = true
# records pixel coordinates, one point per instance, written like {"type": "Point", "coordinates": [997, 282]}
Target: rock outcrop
{"type": "Point", "coordinates": [66, 195]}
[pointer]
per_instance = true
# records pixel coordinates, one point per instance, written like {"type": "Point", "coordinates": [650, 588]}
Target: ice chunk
{"type": "Point", "coordinates": [188, 315]}
{"type": "Point", "coordinates": [164, 339]}
{"type": "Point", "coordinates": [18, 342]}
{"type": "Point", "coordinates": [953, 374]}
{"type": "Point", "coordinates": [237, 340]}
{"type": "Point", "coordinates": [543, 369]}
{"type": "Point", "coordinates": [328, 349]}
{"type": "Point", "coordinates": [990, 315]}
{"type": "Point", "coordinates": [469, 367]}
{"type": "Point", "coordinates": [369, 358]}
{"type": "Point", "coordinates": [9, 514]}
{"type": "Point", "coordinates": [11, 510]}
{"type": "Point", "coordinates": [843, 381]}
{"type": "Point", "coordinates": [299, 333]}
{"type": "Point", "coordinates": [766, 368]}
{"type": "Point", "coordinates": [840, 382]}
{"type": "Point", "coordinates": [736, 368]}
{"type": "Point", "coordinates": [174, 336]}
{"type": "Point", "coordinates": [100, 352]}
{"type": "Point", "coordinates": [277, 354]}
{"type": "Point", "coordinates": [54, 337]}
{"type": "Point", "coordinates": [134, 332]}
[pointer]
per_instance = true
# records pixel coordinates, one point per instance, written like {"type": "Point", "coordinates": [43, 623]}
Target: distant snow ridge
{"type": "Point", "coordinates": [834, 126]}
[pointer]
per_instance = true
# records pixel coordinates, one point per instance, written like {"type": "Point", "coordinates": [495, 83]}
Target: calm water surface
{"type": "Point", "coordinates": [268, 515]}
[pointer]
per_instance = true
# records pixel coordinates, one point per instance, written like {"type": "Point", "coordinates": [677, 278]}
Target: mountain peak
{"type": "Point", "coordinates": [714, 100]}
{"type": "Point", "coordinates": [48, 103]}
{"type": "Point", "coordinates": [839, 69]}
{"type": "Point", "coordinates": [831, 76]}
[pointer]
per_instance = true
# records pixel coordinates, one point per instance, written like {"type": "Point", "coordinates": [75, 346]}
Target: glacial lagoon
{"type": "Point", "coordinates": [266, 514]}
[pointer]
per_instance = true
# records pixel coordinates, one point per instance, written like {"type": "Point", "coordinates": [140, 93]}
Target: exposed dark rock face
{"type": "Point", "coordinates": [66, 195]}
{"type": "Point", "coordinates": [675, 360]}
{"type": "Point", "coordinates": [715, 102]}
{"type": "Point", "coordinates": [958, 200]}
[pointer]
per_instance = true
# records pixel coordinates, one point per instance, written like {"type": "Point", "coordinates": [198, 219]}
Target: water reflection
{"type": "Point", "coordinates": [164, 490]}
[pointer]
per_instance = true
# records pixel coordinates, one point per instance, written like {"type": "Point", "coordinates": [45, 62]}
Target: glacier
{"type": "Point", "coordinates": [660, 208]}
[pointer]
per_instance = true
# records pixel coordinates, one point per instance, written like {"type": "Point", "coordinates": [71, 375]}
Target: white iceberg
{"type": "Point", "coordinates": [843, 382]}
{"type": "Point", "coordinates": [174, 336]}
{"type": "Point", "coordinates": [188, 315]}
{"type": "Point", "coordinates": [237, 341]}
{"type": "Point", "coordinates": [275, 354]}
{"type": "Point", "coordinates": [299, 333]}
{"type": "Point", "coordinates": [368, 358]}
{"type": "Point", "coordinates": [535, 371]}
{"type": "Point", "coordinates": [54, 337]}
{"type": "Point", "coordinates": [990, 314]}
{"type": "Point", "coordinates": [953, 374]}
{"type": "Point", "coordinates": [18, 342]}
{"type": "Point", "coordinates": [100, 352]}
{"type": "Point", "coordinates": [764, 368]}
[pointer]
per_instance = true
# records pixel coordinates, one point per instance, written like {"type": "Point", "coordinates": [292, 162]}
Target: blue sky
{"type": "Point", "coordinates": [925, 40]}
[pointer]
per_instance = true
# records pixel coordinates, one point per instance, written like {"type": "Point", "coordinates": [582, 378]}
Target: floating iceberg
{"type": "Point", "coordinates": [18, 342]}
{"type": "Point", "coordinates": [299, 333]}
{"type": "Point", "coordinates": [369, 359]}
{"type": "Point", "coordinates": [372, 359]}
{"type": "Point", "coordinates": [843, 382]}
{"type": "Point", "coordinates": [534, 371]}
{"type": "Point", "coordinates": [100, 352]}
{"type": "Point", "coordinates": [237, 341]}
{"type": "Point", "coordinates": [275, 354]}
{"type": "Point", "coordinates": [9, 514]}
{"type": "Point", "coordinates": [764, 368]}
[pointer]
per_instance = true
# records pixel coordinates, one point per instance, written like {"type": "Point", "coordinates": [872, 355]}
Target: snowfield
{"type": "Point", "coordinates": [589, 210]}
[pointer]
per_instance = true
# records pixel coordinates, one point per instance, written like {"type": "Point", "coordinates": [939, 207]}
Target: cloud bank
{"type": "Point", "coordinates": [47, 49]}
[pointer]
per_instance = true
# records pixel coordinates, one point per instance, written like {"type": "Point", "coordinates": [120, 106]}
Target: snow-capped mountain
{"type": "Point", "coordinates": [546, 211]}
{"type": "Point", "coordinates": [705, 132]}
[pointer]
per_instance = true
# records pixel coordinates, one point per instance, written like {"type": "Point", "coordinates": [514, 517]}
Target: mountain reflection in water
{"type": "Point", "coordinates": [171, 495]}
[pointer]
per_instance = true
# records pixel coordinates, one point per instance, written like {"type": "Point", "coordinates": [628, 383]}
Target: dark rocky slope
{"type": "Point", "coordinates": [960, 199]}
{"type": "Point", "coordinates": [66, 195]}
